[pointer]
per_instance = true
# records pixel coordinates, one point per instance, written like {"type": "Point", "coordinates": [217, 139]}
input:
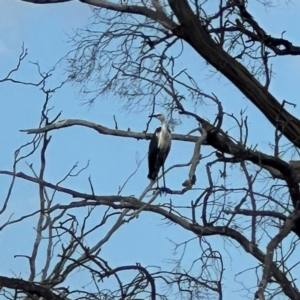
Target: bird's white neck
{"type": "Point", "coordinates": [164, 123]}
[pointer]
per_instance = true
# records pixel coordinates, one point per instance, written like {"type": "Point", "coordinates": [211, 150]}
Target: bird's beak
{"type": "Point", "coordinates": [152, 116]}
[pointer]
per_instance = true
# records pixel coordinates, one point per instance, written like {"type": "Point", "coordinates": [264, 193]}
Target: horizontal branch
{"type": "Point", "coordinates": [106, 131]}
{"type": "Point", "coordinates": [28, 288]}
{"type": "Point", "coordinates": [58, 188]}
{"type": "Point", "coordinates": [46, 1]}
{"type": "Point", "coordinates": [263, 213]}
{"type": "Point", "coordinates": [158, 16]}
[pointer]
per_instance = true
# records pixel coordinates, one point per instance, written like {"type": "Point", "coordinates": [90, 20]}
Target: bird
{"type": "Point", "coordinates": [159, 148]}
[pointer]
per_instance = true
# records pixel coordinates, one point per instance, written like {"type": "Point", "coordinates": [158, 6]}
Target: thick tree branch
{"type": "Point", "coordinates": [273, 244]}
{"type": "Point", "coordinates": [46, 1]}
{"type": "Point", "coordinates": [30, 288]}
{"type": "Point", "coordinates": [263, 37]}
{"type": "Point", "coordinates": [268, 41]}
{"type": "Point", "coordinates": [193, 32]}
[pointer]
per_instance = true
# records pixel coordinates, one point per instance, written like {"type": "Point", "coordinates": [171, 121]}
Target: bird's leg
{"type": "Point", "coordinates": [163, 170]}
{"type": "Point", "coordinates": [164, 189]}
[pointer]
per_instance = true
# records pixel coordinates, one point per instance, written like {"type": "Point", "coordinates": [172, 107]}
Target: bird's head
{"type": "Point", "coordinates": [159, 116]}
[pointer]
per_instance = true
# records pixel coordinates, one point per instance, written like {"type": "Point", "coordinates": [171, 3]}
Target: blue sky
{"type": "Point", "coordinates": [43, 30]}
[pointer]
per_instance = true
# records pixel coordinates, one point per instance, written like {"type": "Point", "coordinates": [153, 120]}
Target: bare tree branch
{"type": "Point", "coordinates": [30, 288]}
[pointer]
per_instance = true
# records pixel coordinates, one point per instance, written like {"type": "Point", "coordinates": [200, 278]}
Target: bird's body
{"type": "Point", "coordinates": [159, 147]}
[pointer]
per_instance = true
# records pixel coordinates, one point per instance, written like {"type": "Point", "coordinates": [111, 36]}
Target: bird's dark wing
{"type": "Point", "coordinates": [153, 155]}
{"type": "Point", "coordinates": [161, 158]}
